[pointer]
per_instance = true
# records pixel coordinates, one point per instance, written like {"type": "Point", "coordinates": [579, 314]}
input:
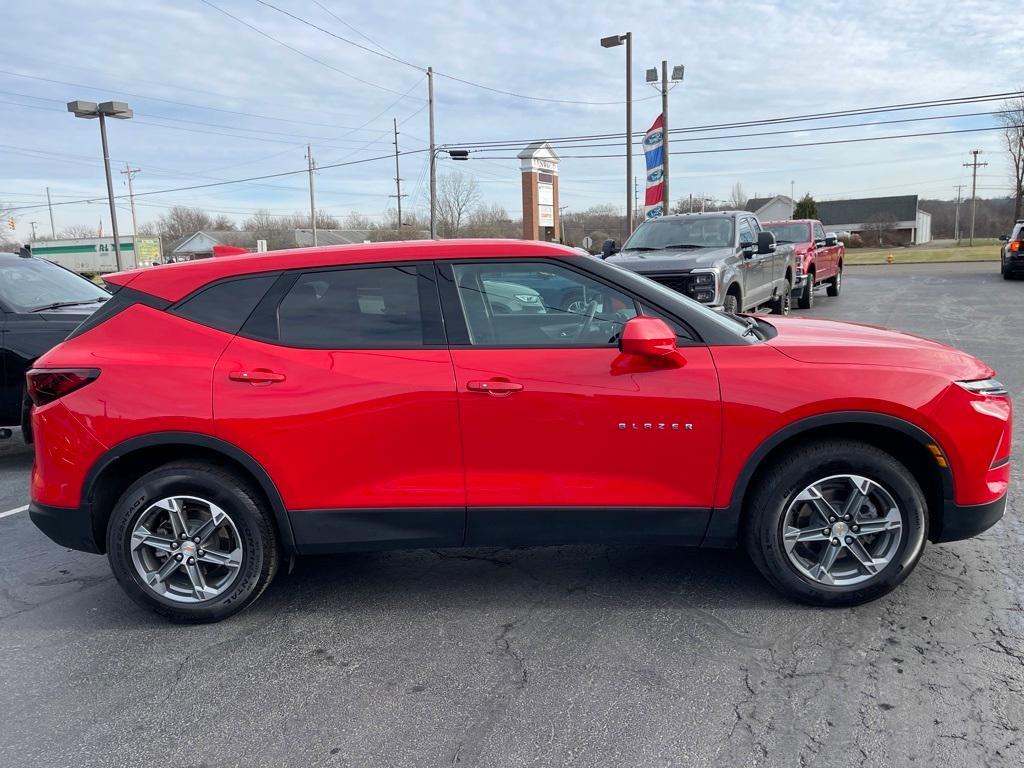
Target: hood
{"type": "Point", "coordinates": [831, 342]}
{"type": "Point", "coordinates": [671, 261]}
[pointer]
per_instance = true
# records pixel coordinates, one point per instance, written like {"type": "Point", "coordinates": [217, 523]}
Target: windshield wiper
{"type": "Point", "coordinates": [640, 248]}
{"type": "Point", "coordinates": [59, 304]}
{"type": "Point", "coordinates": [682, 245]}
{"type": "Point", "coordinates": [777, 240]}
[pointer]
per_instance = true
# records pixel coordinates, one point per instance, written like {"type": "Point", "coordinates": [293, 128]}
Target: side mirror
{"type": "Point", "coordinates": [608, 248]}
{"type": "Point", "coordinates": [1004, 238]}
{"type": "Point", "coordinates": [647, 337]}
{"type": "Point", "coordinates": [831, 239]}
{"type": "Point", "coordinates": [765, 243]}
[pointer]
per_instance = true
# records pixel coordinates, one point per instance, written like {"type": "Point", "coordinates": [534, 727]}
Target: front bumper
{"type": "Point", "coordinates": [964, 521]}
{"type": "Point", "coordinates": [798, 284]}
{"type": "Point", "coordinates": [68, 526]}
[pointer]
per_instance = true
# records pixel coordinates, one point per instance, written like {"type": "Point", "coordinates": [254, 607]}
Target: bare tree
{"type": "Point", "coordinates": [75, 231]}
{"type": "Point", "coordinates": [1012, 120]}
{"type": "Point", "coordinates": [181, 221]}
{"type": "Point", "coordinates": [457, 196]}
{"type": "Point", "coordinates": [737, 197]}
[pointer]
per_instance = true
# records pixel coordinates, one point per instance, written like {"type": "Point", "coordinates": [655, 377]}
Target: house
{"type": "Point", "coordinates": [894, 220]}
{"type": "Point", "coordinates": [777, 208]}
{"type": "Point", "coordinates": [200, 244]}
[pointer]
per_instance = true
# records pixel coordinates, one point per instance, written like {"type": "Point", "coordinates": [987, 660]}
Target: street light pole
{"type": "Point", "coordinates": [120, 111]}
{"type": "Point", "coordinates": [613, 42]}
{"type": "Point", "coordinates": [110, 192]}
{"type": "Point", "coordinates": [666, 200]}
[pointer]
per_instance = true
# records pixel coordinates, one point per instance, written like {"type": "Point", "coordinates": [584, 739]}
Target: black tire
{"type": "Point", "coordinates": [732, 303]}
{"type": "Point", "coordinates": [26, 420]}
{"type": "Point", "coordinates": [835, 285]}
{"type": "Point", "coordinates": [784, 302]}
{"type": "Point", "coordinates": [806, 300]}
{"type": "Point", "coordinates": [236, 497]}
{"type": "Point", "coordinates": [786, 478]}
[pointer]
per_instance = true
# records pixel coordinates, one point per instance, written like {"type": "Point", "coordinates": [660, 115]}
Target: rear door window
{"type": "Point", "coordinates": [353, 308]}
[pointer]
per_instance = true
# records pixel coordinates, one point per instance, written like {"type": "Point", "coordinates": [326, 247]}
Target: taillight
{"type": "Point", "coordinates": [1014, 246]}
{"type": "Point", "coordinates": [48, 384]}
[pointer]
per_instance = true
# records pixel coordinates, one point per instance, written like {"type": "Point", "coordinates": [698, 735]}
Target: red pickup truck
{"type": "Point", "coordinates": [817, 257]}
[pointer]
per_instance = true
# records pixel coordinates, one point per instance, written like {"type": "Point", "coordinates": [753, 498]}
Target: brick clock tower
{"type": "Point", "coordinates": [539, 165]}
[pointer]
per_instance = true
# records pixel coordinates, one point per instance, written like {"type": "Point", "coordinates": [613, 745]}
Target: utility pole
{"type": "Point", "coordinates": [956, 218]}
{"type": "Point", "coordinates": [974, 165]}
{"type": "Point", "coordinates": [398, 180]}
{"type": "Point", "coordinates": [792, 199]}
{"type": "Point", "coordinates": [691, 202]}
{"type": "Point", "coordinates": [49, 204]}
{"type": "Point", "coordinates": [433, 158]}
{"type": "Point", "coordinates": [130, 172]}
{"type": "Point", "coordinates": [33, 225]}
{"type": "Point", "coordinates": [636, 204]}
{"type": "Point", "coordinates": [312, 196]}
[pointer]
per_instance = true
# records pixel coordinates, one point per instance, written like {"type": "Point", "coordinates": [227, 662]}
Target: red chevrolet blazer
{"type": "Point", "coordinates": [215, 417]}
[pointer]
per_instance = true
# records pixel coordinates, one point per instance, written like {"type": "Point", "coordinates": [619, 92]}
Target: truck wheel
{"type": "Point", "coordinates": [835, 285]}
{"type": "Point", "coordinates": [784, 302]}
{"type": "Point", "coordinates": [732, 304]}
{"type": "Point", "coordinates": [836, 522]}
{"type": "Point", "coordinates": [192, 542]}
{"type": "Point", "coordinates": [806, 300]}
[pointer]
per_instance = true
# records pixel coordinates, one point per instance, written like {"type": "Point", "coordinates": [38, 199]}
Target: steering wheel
{"type": "Point", "coordinates": [588, 323]}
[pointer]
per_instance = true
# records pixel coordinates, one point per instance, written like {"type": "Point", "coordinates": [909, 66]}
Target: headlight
{"type": "Point", "coordinates": [527, 298]}
{"type": "Point", "coordinates": [704, 278]}
{"type": "Point", "coordinates": [985, 387]}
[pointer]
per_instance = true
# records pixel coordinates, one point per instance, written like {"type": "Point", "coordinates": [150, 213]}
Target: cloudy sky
{"type": "Point", "coordinates": [219, 98]}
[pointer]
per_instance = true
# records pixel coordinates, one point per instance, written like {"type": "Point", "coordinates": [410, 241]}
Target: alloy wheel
{"type": "Point", "coordinates": [842, 530]}
{"type": "Point", "coordinates": [186, 549]}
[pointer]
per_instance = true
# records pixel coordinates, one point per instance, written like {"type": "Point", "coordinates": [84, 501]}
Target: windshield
{"type": "Point", "coordinates": [708, 232]}
{"type": "Point", "coordinates": [670, 299]}
{"type": "Point", "coordinates": [28, 284]}
{"type": "Point", "coordinates": [793, 232]}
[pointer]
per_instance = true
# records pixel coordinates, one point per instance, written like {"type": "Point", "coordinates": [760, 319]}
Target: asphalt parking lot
{"type": "Point", "coordinates": [589, 656]}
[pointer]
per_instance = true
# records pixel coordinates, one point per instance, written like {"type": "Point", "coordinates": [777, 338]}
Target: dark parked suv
{"type": "Point", "coordinates": [1011, 255]}
{"type": "Point", "coordinates": [40, 304]}
{"type": "Point", "coordinates": [723, 259]}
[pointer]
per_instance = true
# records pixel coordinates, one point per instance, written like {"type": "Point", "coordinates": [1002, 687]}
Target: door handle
{"type": "Point", "coordinates": [257, 376]}
{"type": "Point", "coordinates": [494, 387]}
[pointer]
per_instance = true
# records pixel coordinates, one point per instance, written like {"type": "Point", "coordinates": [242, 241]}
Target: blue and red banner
{"type": "Point", "coordinates": [654, 152]}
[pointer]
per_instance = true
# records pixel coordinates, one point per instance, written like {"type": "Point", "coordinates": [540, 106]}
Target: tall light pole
{"type": "Point", "coordinates": [454, 154]}
{"type": "Point", "coordinates": [119, 111]}
{"type": "Point", "coordinates": [613, 42]}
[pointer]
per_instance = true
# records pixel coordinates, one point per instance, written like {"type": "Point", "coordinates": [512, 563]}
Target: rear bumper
{"type": "Point", "coordinates": [68, 526]}
{"type": "Point", "coordinates": [963, 521]}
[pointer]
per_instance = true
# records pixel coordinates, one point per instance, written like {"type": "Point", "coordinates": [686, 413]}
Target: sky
{"type": "Point", "coordinates": [217, 99]}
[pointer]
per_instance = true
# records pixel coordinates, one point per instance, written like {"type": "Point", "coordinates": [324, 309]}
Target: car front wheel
{"type": "Point", "coordinates": [836, 523]}
{"type": "Point", "coordinates": [806, 300]}
{"type": "Point", "coordinates": [784, 302]}
{"type": "Point", "coordinates": [192, 542]}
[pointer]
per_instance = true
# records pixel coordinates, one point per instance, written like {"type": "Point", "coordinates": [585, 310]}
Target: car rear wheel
{"type": "Point", "coordinates": [836, 523]}
{"type": "Point", "coordinates": [192, 542]}
{"type": "Point", "coordinates": [784, 302]}
{"type": "Point", "coordinates": [806, 300]}
{"type": "Point", "coordinates": [835, 285]}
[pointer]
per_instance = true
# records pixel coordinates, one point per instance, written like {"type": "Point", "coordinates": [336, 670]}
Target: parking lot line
{"type": "Point", "coordinates": [14, 511]}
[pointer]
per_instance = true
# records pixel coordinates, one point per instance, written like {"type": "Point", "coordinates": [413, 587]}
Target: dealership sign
{"type": "Point", "coordinates": [654, 152]}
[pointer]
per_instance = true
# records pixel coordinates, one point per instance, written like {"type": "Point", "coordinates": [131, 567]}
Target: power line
{"type": "Point", "coordinates": [280, 174]}
{"type": "Point", "coordinates": [174, 102]}
{"type": "Point", "coordinates": [784, 146]}
{"type": "Point", "coordinates": [298, 51]}
{"type": "Point", "coordinates": [754, 123]}
{"type": "Point", "coordinates": [397, 60]}
{"type": "Point", "coordinates": [338, 18]}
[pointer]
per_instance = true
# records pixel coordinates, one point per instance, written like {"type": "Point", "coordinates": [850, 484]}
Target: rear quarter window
{"type": "Point", "coordinates": [226, 305]}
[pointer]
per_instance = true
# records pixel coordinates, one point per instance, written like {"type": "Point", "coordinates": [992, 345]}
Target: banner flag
{"type": "Point", "coordinates": [654, 152]}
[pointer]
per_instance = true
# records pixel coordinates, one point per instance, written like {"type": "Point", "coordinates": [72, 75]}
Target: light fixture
{"type": "Point", "coordinates": [678, 71]}
{"type": "Point", "coordinates": [652, 75]}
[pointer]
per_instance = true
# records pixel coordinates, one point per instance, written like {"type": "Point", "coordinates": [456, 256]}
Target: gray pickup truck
{"type": "Point", "coordinates": [723, 259]}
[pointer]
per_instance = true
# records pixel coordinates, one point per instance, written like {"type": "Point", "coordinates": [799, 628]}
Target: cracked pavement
{"type": "Point", "coordinates": [586, 656]}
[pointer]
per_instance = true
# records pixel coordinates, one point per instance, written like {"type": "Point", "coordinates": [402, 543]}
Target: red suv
{"type": "Point", "coordinates": [215, 417]}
